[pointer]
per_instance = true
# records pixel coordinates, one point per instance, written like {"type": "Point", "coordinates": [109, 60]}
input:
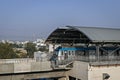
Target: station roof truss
{"type": "Point", "coordinates": [75, 34]}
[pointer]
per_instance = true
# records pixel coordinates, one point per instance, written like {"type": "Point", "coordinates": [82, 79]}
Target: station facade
{"type": "Point", "coordinates": [97, 51]}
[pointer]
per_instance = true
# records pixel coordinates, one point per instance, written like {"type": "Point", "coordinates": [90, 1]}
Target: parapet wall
{"type": "Point", "coordinates": [6, 68]}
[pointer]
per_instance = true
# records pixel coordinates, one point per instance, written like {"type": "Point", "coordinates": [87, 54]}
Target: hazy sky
{"type": "Point", "coordinates": [30, 19]}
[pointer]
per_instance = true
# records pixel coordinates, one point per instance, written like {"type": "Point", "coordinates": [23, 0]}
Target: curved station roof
{"type": "Point", "coordinates": [74, 34]}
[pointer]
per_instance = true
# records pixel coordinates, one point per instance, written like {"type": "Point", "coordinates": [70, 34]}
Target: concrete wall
{"type": "Point", "coordinates": [55, 74]}
{"type": "Point", "coordinates": [12, 77]}
{"type": "Point", "coordinates": [6, 68]}
{"type": "Point", "coordinates": [29, 76]}
{"type": "Point", "coordinates": [22, 67]}
{"type": "Point", "coordinates": [83, 71]}
{"type": "Point", "coordinates": [41, 66]}
{"type": "Point", "coordinates": [25, 67]}
{"type": "Point", "coordinates": [45, 66]}
{"type": "Point", "coordinates": [79, 70]}
{"type": "Point", "coordinates": [96, 72]}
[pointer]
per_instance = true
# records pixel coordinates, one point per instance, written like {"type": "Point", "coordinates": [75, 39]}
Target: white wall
{"type": "Point", "coordinates": [52, 47]}
{"type": "Point", "coordinates": [96, 73]}
{"type": "Point", "coordinates": [79, 71]}
{"type": "Point", "coordinates": [25, 67]}
{"type": "Point", "coordinates": [83, 71]}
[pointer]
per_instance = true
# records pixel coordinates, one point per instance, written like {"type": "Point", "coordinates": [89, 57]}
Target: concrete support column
{"type": "Point", "coordinates": [63, 78]}
{"type": "Point", "coordinates": [66, 77]}
{"type": "Point", "coordinates": [78, 79]}
{"type": "Point", "coordinates": [98, 52]}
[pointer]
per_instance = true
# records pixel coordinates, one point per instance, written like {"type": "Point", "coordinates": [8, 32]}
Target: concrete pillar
{"type": "Point", "coordinates": [63, 78]}
{"type": "Point", "coordinates": [67, 77]}
{"type": "Point", "coordinates": [51, 48]}
{"type": "Point", "coordinates": [98, 52]}
{"type": "Point", "coordinates": [78, 79]}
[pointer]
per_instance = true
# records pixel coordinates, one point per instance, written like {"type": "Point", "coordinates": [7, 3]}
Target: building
{"type": "Point", "coordinates": [103, 63]}
{"type": "Point", "coordinates": [40, 43]}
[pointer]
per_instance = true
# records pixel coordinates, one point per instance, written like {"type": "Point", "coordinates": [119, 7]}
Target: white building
{"type": "Point", "coordinates": [40, 56]}
{"type": "Point", "coordinates": [40, 43]}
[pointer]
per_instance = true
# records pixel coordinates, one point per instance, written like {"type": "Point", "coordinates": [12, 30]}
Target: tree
{"type": "Point", "coordinates": [43, 49]}
{"type": "Point", "coordinates": [6, 51]}
{"type": "Point", "coordinates": [17, 45]}
{"type": "Point", "coordinates": [30, 48]}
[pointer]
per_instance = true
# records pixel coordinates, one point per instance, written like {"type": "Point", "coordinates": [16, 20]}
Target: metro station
{"type": "Point", "coordinates": [94, 52]}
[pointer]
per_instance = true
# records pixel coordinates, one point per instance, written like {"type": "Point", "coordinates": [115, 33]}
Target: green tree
{"type": "Point", "coordinates": [30, 48]}
{"type": "Point", "coordinates": [17, 45]}
{"type": "Point", "coordinates": [6, 51]}
{"type": "Point", "coordinates": [43, 49]}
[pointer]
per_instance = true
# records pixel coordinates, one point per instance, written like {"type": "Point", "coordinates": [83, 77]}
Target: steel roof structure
{"type": "Point", "coordinates": [75, 34]}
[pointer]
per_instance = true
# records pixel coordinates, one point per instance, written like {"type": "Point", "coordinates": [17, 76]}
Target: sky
{"type": "Point", "coordinates": [32, 19]}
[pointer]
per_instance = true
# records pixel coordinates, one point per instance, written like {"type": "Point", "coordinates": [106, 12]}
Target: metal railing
{"type": "Point", "coordinates": [21, 60]}
{"type": "Point", "coordinates": [90, 59]}
{"type": "Point", "coordinates": [95, 58]}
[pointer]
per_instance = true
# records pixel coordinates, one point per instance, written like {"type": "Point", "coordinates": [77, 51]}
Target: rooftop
{"type": "Point", "coordinates": [79, 34]}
